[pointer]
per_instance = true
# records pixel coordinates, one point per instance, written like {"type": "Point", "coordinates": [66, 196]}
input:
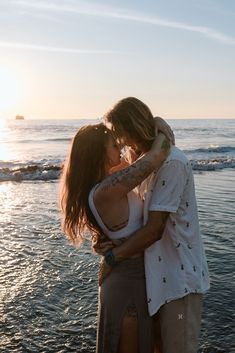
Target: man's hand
{"type": "Point", "coordinates": [162, 126]}
{"type": "Point", "coordinates": [151, 232]}
{"type": "Point", "coordinates": [104, 271]}
{"type": "Point", "coordinates": [130, 155]}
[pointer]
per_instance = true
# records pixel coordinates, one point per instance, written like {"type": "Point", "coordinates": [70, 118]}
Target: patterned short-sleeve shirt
{"type": "Point", "coordinates": [175, 265]}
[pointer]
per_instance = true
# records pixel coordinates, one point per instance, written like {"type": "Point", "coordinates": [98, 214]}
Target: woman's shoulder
{"type": "Point", "coordinates": [91, 195]}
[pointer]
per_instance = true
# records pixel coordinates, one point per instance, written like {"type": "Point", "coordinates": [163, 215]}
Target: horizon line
{"type": "Point", "coordinates": [100, 118]}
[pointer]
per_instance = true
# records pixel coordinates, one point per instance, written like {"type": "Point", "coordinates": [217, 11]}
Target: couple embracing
{"type": "Point", "coordinates": [142, 214]}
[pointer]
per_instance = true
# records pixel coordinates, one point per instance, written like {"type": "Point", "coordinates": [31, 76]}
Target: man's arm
{"type": "Point", "coordinates": [144, 237]}
{"type": "Point", "coordinates": [166, 197]}
{"type": "Point", "coordinates": [134, 244]}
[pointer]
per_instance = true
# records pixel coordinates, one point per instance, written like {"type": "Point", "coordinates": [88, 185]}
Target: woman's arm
{"type": "Point", "coordinates": [120, 183]}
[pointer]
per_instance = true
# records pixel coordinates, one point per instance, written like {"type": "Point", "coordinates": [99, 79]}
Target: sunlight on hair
{"type": "Point", "coordinates": [107, 124]}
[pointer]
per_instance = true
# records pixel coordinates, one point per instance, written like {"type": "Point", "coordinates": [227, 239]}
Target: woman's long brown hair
{"type": "Point", "coordinates": [85, 167]}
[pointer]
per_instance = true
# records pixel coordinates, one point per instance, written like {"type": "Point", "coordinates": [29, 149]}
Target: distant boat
{"type": "Point", "coordinates": [19, 117]}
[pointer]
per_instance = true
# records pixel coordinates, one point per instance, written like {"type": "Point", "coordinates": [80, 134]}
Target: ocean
{"type": "Point", "coordinates": [48, 289]}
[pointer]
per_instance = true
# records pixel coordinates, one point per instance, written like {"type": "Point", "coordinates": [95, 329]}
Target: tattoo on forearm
{"type": "Point", "coordinates": [129, 177]}
{"type": "Point", "coordinates": [165, 145]}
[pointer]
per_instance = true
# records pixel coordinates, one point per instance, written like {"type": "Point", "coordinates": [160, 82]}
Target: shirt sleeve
{"type": "Point", "coordinates": [169, 187]}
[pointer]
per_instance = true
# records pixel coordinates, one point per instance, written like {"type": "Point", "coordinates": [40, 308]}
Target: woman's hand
{"type": "Point", "coordinates": [101, 246]}
{"type": "Point", "coordinates": [162, 146]}
{"type": "Point", "coordinates": [130, 155]}
{"type": "Point", "coordinates": [162, 126]}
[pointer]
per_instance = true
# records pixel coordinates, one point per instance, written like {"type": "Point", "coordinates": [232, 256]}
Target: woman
{"type": "Point", "coordinates": [94, 199]}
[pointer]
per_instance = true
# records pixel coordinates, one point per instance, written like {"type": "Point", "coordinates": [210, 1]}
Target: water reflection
{"type": "Point", "coordinates": [49, 296]}
{"type": "Point", "coordinates": [5, 152]}
{"type": "Point", "coordinates": [7, 201]}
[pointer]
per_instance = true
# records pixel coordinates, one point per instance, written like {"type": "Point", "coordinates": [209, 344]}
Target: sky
{"type": "Point", "coordinates": [76, 59]}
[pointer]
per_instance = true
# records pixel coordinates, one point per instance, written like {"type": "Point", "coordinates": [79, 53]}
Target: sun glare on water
{"type": "Point", "coordinates": [2, 130]}
{"type": "Point", "coordinates": [4, 153]}
{"type": "Point", "coordinates": [2, 125]}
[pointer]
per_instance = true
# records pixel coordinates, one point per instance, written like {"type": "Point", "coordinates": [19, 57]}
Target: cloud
{"type": "Point", "coordinates": [27, 46]}
{"type": "Point", "coordinates": [99, 10]}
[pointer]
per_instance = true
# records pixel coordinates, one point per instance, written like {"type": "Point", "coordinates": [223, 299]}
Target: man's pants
{"type": "Point", "coordinates": [178, 323]}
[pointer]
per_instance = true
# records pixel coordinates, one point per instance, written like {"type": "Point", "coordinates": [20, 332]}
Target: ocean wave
{"type": "Point", "coordinates": [47, 171]}
{"type": "Point", "coordinates": [59, 139]}
{"type": "Point", "coordinates": [213, 149]}
{"type": "Point", "coordinates": [64, 139]}
{"type": "Point", "coordinates": [40, 163]}
{"type": "Point", "coordinates": [31, 172]}
{"type": "Point", "coordinates": [213, 164]}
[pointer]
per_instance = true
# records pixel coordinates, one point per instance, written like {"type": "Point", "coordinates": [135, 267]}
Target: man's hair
{"type": "Point", "coordinates": [132, 116]}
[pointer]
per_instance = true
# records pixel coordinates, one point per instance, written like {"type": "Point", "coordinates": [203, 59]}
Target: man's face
{"type": "Point", "coordinates": [127, 140]}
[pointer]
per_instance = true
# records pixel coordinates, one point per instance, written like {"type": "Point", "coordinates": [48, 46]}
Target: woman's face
{"type": "Point", "coordinates": [113, 153]}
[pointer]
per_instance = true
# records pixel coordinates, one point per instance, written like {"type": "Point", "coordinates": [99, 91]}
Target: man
{"type": "Point", "coordinates": [175, 263]}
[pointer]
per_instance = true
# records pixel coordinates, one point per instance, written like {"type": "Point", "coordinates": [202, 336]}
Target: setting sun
{"type": "Point", "coordinates": [10, 89]}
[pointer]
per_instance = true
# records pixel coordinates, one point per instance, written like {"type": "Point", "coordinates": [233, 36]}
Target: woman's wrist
{"type": "Point", "coordinates": [110, 258]}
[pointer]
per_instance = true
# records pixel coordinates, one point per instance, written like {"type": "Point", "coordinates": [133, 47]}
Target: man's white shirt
{"type": "Point", "coordinates": [175, 265]}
